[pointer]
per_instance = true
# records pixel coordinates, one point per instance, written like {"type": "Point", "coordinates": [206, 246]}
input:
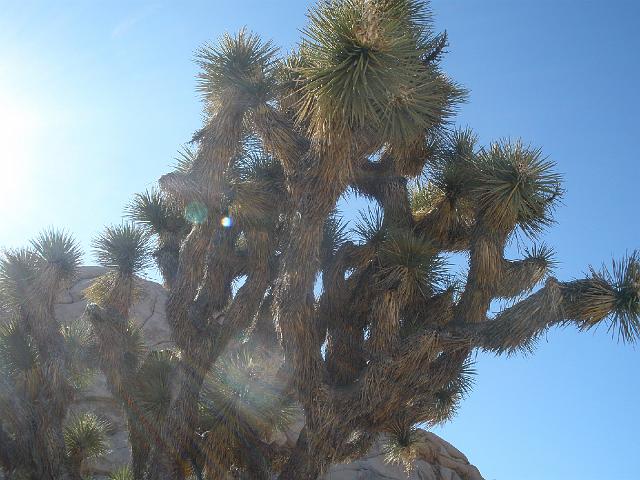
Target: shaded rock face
{"type": "Point", "coordinates": [437, 459]}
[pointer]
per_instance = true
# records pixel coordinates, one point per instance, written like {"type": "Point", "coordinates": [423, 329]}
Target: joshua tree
{"type": "Point", "coordinates": [85, 436]}
{"type": "Point", "coordinates": [360, 106]}
{"type": "Point", "coordinates": [119, 345]}
{"type": "Point", "coordinates": [258, 265]}
{"type": "Point", "coordinates": [42, 366]}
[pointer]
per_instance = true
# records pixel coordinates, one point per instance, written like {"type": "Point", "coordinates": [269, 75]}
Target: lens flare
{"type": "Point", "coordinates": [226, 222]}
{"type": "Point", "coordinates": [196, 212]}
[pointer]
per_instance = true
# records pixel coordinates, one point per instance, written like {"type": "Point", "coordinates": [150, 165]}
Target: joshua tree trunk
{"type": "Point", "coordinates": [55, 394]}
{"type": "Point", "coordinates": [223, 325]}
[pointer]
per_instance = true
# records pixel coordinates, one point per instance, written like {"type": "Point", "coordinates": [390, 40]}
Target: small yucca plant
{"type": "Point", "coordinates": [122, 473]}
{"type": "Point", "coordinates": [85, 437]}
{"type": "Point", "coordinates": [399, 446]}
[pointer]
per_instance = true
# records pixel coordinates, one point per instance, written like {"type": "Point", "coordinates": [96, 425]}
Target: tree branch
{"type": "Point", "coordinates": [557, 303]}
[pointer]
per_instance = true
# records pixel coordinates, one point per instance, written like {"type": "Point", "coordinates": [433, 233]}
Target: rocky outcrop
{"type": "Point", "coordinates": [436, 459]}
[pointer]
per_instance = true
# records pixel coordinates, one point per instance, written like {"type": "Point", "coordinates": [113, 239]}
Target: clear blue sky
{"type": "Point", "coordinates": [96, 97]}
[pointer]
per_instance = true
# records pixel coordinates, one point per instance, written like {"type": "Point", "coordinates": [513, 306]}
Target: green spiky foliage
{"type": "Point", "coordinates": [38, 371]}
{"type": "Point", "coordinates": [516, 185]}
{"type": "Point", "coordinates": [152, 209]}
{"type": "Point", "coordinates": [18, 272]}
{"type": "Point", "coordinates": [80, 361]}
{"type": "Point", "coordinates": [445, 401]}
{"type": "Point", "coordinates": [123, 248]}
{"type": "Point", "coordinates": [59, 252]}
{"type": "Point", "coordinates": [126, 355]}
{"type": "Point", "coordinates": [371, 232]}
{"type": "Point", "coordinates": [256, 184]}
{"type": "Point", "coordinates": [85, 436]}
{"type": "Point", "coordinates": [39, 272]}
{"type": "Point", "coordinates": [334, 235]}
{"type": "Point", "coordinates": [611, 293]}
{"type": "Point", "coordinates": [19, 354]}
{"type": "Point", "coordinates": [240, 67]}
{"type": "Point", "coordinates": [153, 385]}
{"type": "Point", "coordinates": [246, 226]}
{"type": "Point", "coordinates": [124, 251]}
{"type": "Point", "coordinates": [399, 446]}
{"type": "Point", "coordinates": [369, 229]}
{"type": "Point", "coordinates": [363, 68]}
{"type": "Point", "coordinates": [163, 220]}
{"type": "Point", "coordinates": [122, 473]}
{"type": "Point", "coordinates": [409, 264]}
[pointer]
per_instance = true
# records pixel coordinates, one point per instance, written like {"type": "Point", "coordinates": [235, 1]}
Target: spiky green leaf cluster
{"type": "Point", "coordinates": [516, 185]}
{"type": "Point", "coordinates": [59, 251]}
{"type": "Point", "coordinates": [288, 75]}
{"type": "Point", "coordinates": [542, 253]}
{"type": "Point", "coordinates": [452, 169]}
{"type": "Point", "coordinates": [450, 173]}
{"type": "Point", "coordinates": [18, 354]}
{"type": "Point", "coordinates": [134, 345]}
{"type": "Point", "coordinates": [508, 184]}
{"type": "Point", "coordinates": [124, 248]}
{"type": "Point", "coordinates": [369, 228]}
{"type": "Point", "coordinates": [85, 436]}
{"type": "Point", "coordinates": [257, 188]}
{"type": "Point", "coordinates": [153, 389]}
{"type": "Point", "coordinates": [613, 293]}
{"type": "Point", "coordinates": [18, 271]}
{"type": "Point", "coordinates": [410, 264]}
{"type": "Point", "coordinates": [625, 277]}
{"type": "Point", "coordinates": [51, 263]}
{"type": "Point", "coordinates": [399, 445]}
{"type": "Point", "coordinates": [239, 70]}
{"type": "Point", "coordinates": [154, 211]}
{"type": "Point", "coordinates": [447, 399]}
{"type": "Point", "coordinates": [334, 234]}
{"type": "Point", "coordinates": [122, 473]}
{"type": "Point", "coordinates": [131, 348]}
{"type": "Point", "coordinates": [185, 159]}
{"type": "Point", "coordinates": [362, 69]}
{"type": "Point", "coordinates": [78, 341]}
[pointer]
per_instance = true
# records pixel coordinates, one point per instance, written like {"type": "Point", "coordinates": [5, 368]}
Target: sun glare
{"type": "Point", "coordinates": [17, 129]}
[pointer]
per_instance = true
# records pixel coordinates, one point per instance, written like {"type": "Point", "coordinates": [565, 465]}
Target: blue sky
{"type": "Point", "coordinates": [96, 97]}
